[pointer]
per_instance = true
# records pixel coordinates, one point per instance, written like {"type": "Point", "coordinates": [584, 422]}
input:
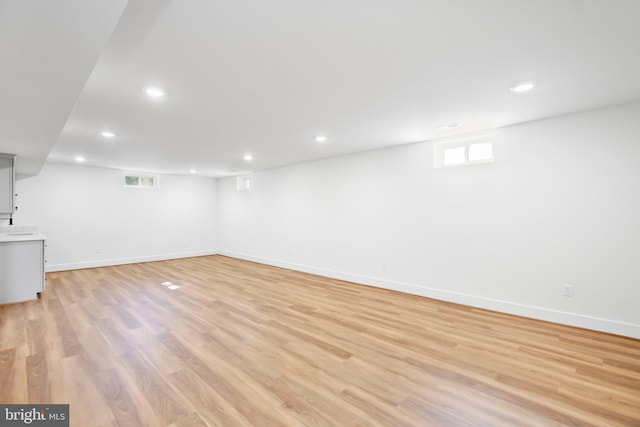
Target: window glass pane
{"type": "Point", "coordinates": [147, 181]}
{"type": "Point", "coordinates": [480, 151]}
{"type": "Point", "coordinates": [247, 183]}
{"type": "Point", "coordinates": [454, 156]}
{"type": "Point", "coordinates": [132, 180]}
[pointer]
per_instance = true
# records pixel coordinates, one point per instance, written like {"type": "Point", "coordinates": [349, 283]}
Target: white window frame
{"type": "Point", "coordinates": [440, 148]}
{"type": "Point", "coordinates": [156, 181]}
{"type": "Point", "coordinates": [244, 183]}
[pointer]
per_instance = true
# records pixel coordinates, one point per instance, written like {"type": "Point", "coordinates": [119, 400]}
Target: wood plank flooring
{"type": "Point", "coordinates": [244, 344]}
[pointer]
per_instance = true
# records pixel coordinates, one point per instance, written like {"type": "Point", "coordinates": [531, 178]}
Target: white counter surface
{"type": "Point", "coordinates": [20, 233]}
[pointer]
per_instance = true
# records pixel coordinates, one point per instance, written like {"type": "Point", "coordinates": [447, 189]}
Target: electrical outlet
{"type": "Point", "coordinates": [98, 250]}
{"type": "Point", "coordinates": [567, 290]}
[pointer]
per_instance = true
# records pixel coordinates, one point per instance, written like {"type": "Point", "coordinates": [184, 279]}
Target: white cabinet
{"type": "Point", "coordinates": [7, 163]}
{"type": "Point", "coordinates": [21, 270]}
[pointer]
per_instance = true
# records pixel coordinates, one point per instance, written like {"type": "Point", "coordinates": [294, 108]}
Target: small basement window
{"type": "Point", "coordinates": [244, 183]}
{"type": "Point", "coordinates": [141, 181]}
{"type": "Point", "coordinates": [462, 152]}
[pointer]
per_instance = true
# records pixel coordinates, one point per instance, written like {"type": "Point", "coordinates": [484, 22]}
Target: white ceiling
{"type": "Point", "coordinates": [47, 51]}
{"type": "Point", "coordinates": [265, 77]}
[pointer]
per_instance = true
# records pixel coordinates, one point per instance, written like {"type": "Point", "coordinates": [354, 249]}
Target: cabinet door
{"type": "Point", "coordinates": [21, 272]}
{"type": "Point", "coordinates": [6, 186]}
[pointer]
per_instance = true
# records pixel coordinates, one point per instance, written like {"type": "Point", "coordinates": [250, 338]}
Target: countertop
{"type": "Point", "coordinates": [20, 233]}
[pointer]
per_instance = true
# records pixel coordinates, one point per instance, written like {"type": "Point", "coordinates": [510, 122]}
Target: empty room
{"type": "Point", "coordinates": [320, 213]}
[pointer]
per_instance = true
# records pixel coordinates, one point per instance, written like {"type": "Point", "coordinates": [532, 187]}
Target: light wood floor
{"type": "Point", "coordinates": [246, 344]}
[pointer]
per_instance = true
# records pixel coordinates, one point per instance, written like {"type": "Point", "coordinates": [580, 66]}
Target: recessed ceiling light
{"type": "Point", "coordinates": [108, 134]}
{"type": "Point", "coordinates": [522, 87]}
{"type": "Point", "coordinates": [193, 171]}
{"type": "Point", "coordinates": [448, 126]}
{"type": "Point", "coordinates": [154, 92]}
{"type": "Point", "coordinates": [79, 159]}
{"type": "Point", "coordinates": [320, 138]}
{"type": "Point", "coordinates": [248, 157]}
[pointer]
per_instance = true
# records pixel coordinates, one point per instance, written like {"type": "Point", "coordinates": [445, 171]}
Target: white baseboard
{"type": "Point", "coordinates": [534, 312]}
{"type": "Point", "coordinates": [131, 260]}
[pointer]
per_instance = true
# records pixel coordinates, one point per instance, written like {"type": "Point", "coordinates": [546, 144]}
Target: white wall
{"type": "Point", "coordinates": [561, 204]}
{"type": "Point", "coordinates": [86, 210]}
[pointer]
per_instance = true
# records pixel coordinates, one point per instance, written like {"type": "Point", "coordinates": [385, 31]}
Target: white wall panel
{"type": "Point", "coordinates": [91, 219]}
